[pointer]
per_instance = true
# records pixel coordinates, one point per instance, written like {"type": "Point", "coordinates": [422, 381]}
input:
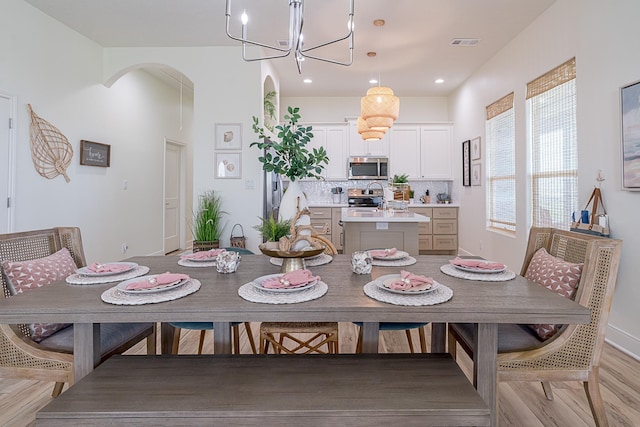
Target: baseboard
{"type": "Point", "coordinates": [623, 341]}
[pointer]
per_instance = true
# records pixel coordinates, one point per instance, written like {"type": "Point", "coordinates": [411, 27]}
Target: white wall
{"type": "Point", "coordinates": [59, 73]}
{"type": "Point", "coordinates": [602, 36]}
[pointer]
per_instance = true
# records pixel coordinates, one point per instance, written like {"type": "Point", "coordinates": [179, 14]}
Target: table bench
{"type": "Point", "coordinates": [271, 390]}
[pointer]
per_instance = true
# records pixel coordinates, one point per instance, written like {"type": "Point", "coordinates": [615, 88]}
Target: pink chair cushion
{"type": "Point", "coordinates": [25, 276]}
{"type": "Point", "coordinates": [557, 275]}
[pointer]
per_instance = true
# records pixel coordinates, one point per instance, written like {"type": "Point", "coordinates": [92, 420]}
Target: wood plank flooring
{"type": "Point", "coordinates": [520, 404]}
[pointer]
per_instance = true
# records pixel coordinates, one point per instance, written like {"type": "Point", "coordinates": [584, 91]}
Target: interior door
{"type": "Point", "coordinates": [172, 164]}
{"type": "Point", "coordinates": [5, 115]}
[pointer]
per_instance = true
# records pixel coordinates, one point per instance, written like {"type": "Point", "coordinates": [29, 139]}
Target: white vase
{"type": "Point", "coordinates": [289, 205]}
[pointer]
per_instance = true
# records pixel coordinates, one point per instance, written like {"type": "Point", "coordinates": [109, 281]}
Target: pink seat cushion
{"type": "Point", "coordinates": [26, 276]}
{"type": "Point", "coordinates": [557, 275]}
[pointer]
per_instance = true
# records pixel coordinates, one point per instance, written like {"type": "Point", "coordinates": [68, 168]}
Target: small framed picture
{"type": "Point", "coordinates": [466, 163]}
{"type": "Point", "coordinates": [228, 136]}
{"type": "Point", "coordinates": [228, 165]}
{"type": "Point", "coordinates": [476, 174]}
{"type": "Point", "coordinates": [630, 114]}
{"type": "Point", "coordinates": [475, 148]}
{"type": "Point", "coordinates": [95, 154]}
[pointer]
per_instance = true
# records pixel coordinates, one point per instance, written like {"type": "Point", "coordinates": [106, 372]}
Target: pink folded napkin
{"type": "Point", "coordinates": [108, 268]}
{"type": "Point", "coordinates": [212, 253]}
{"type": "Point", "coordinates": [158, 281]}
{"type": "Point", "coordinates": [382, 253]}
{"type": "Point", "coordinates": [477, 263]}
{"type": "Point", "coordinates": [293, 279]}
{"type": "Point", "coordinates": [409, 280]}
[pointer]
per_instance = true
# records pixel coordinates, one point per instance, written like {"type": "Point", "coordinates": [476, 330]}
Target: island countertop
{"type": "Point", "coordinates": [378, 215]}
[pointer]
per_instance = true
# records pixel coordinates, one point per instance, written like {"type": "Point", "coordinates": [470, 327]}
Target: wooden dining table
{"type": "Point", "coordinates": [484, 303]}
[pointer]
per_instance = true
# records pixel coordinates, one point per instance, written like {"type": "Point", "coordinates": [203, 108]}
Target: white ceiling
{"type": "Point", "coordinates": [413, 47]}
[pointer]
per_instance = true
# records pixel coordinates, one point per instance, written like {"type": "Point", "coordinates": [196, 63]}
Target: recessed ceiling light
{"type": "Point", "coordinates": [439, 81]}
{"type": "Point", "coordinates": [308, 80]}
{"type": "Point", "coordinates": [373, 81]}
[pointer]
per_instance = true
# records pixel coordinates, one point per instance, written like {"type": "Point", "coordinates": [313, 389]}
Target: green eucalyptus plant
{"type": "Point", "coordinates": [290, 156]}
{"type": "Point", "coordinates": [272, 229]}
{"type": "Point", "coordinates": [207, 220]}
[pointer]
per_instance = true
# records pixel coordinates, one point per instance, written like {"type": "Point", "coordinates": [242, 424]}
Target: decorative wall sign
{"type": "Point", "coordinates": [466, 163]}
{"type": "Point", "coordinates": [228, 136]}
{"type": "Point", "coordinates": [630, 102]}
{"type": "Point", "coordinates": [475, 148]}
{"type": "Point", "coordinates": [95, 154]}
{"type": "Point", "coordinates": [228, 165]}
{"type": "Point", "coordinates": [476, 174]}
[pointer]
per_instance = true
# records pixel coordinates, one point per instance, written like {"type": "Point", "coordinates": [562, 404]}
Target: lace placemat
{"type": "Point", "coordinates": [189, 263]}
{"type": "Point", "coordinates": [394, 262]}
{"type": "Point", "coordinates": [251, 293]}
{"type": "Point", "coordinates": [115, 296]}
{"type": "Point", "coordinates": [440, 295]}
{"type": "Point", "coordinates": [503, 276]}
{"type": "Point", "coordinates": [79, 279]}
{"type": "Point", "coordinates": [321, 259]}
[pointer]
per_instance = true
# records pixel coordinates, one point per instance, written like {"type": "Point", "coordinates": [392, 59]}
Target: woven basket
{"type": "Point", "coordinates": [238, 241]}
{"type": "Point", "coordinates": [205, 246]}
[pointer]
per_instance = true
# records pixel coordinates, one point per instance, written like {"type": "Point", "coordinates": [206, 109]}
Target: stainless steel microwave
{"type": "Point", "coordinates": [368, 168]}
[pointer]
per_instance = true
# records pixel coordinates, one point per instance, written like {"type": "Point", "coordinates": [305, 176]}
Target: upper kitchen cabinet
{"type": "Point", "coordinates": [360, 147]}
{"type": "Point", "coordinates": [404, 151]}
{"type": "Point", "coordinates": [435, 152]}
{"type": "Point", "coordinates": [334, 140]}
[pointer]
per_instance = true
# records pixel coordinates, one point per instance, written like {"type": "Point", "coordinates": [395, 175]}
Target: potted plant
{"type": "Point", "coordinates": [207, 222]}
{"type": "Point", "coordinates": [400, 187]}
{"type": "Point", "coordinates": [272, 229]}
{"type": "Point", "coordinates": [287, 154]}
{"type": "Point", "coordinates": [270, 110]}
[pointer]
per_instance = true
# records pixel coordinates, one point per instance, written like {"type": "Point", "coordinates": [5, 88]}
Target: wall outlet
{"type": "Point", "coordinates": [480, 244]}
{"type": "Point", "coordinates": [125, 247]}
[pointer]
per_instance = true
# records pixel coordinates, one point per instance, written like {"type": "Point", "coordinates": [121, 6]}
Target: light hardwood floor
{"type": "Point", "coordinates": [520, 404]}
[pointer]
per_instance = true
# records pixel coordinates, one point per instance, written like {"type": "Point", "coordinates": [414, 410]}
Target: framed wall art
{"type": "Point", "coordinates": [630, 103]}
{"type": "Point", "coordinates": [475, 148]}
{"type": "Point", "coordinates": [466, 163]}
{"type": "Point", "coordinates": [95, 154]}
{"type": "Point", "coordinates": [476, 174]}
{"type": "Point", "coordinates": [228, 136]}
{"type": "Point", "coordinates": [228, 165]}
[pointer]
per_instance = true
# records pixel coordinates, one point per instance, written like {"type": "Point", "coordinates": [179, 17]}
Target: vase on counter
{"type": "Point", "coordinates": [293, 199]}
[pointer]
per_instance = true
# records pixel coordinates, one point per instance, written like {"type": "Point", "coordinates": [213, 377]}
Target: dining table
{"type": "Point", "coordinates": [483, 303]}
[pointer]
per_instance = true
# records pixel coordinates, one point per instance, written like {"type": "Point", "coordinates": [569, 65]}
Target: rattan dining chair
{"type": "Point", "coordinates": [398, 326]}
{"type": "Point", "coordinates": [573, 353]}
{"type": "Point", "coordinates": [52, 358]}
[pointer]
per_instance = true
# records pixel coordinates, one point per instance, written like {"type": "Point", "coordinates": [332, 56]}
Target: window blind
{"type": "Point", "coordinates": [501, 167]}
{"type": "Point", "coordinates": [554, 147]}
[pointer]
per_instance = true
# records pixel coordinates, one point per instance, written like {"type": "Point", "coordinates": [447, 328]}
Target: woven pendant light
{"type": "Point", "coordinates": [380, 108]}
{"type": "Point", "coordinates": [368, 134]}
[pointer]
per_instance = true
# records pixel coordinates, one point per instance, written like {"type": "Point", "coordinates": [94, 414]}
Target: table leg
{"type": "Point", "coordinates": [485, 366]}
{"type": "Point", "coordinates": [86, 349]}
{"type": "Point", "coordinates": [438, 337]}
{"type": "Point", "coordinates": [166, 338]}
{"type": "Point", "coordinates": [370, 337]}
{"type": "Point", "coordinates": [222, 338]}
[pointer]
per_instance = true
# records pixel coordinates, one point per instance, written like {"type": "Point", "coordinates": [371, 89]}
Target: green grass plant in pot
{"type": "Point", "coordinates": [208, 222]}
{"type": "Point", "coordinates": [272, 230]}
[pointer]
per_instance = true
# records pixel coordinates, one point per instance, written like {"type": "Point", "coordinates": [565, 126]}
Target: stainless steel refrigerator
{"type": "Point", "coordinates": [272, 193]}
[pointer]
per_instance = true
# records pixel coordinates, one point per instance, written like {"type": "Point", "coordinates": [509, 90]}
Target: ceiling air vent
{"type": "Point", "coordinates": [465, 42]}
{"type": "Point", "coordinates": [283, 43]}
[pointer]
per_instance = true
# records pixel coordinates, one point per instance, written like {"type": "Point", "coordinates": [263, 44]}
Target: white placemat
{"type": "Point", "coordinates": [251, 293]}
{"type": "Point", "coordinates": [115, 296]}
{"type": "Point", "coordinates": [79, 279]}
{"type": "Point", "coordinates": [440, 295]}
{"type": "Point", "coordinates": [321, 259]}
{"type": "Point", "coordinates": [190, 263]}
{"type": "Point", "coordinates": [503, 276]}
{"type": "Point", "coordinates": [394, 262]}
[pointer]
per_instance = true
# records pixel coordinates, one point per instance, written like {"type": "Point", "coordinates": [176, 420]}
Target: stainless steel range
{"type": "Point", "coordinates": [365, 198]}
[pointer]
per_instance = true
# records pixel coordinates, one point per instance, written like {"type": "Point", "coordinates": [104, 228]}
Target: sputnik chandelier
{"type": "Point", "coordinates": [295, 42]}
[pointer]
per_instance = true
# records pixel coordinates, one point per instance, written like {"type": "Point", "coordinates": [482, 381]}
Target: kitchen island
{"type": "Point", "coordinates": [369, 228]}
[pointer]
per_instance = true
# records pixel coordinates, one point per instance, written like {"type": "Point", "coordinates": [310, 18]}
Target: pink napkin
{"type": "Point", "coordinates": [382, 253]}
{"type": "Point", "coordinates": [157, 282]}
{"type": "Point", "coordinates": [409, 280]}
{"type": "Point", "coordinates": [292, 279]}
{"type": "Point", "coordinates": [212, 253]}
{"type": "Point", "coordinates": [108, 268]}
{"type": "Point", "coordinates": [477, 263]}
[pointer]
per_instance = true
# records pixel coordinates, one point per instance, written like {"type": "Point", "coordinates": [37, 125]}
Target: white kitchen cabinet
{"type": "Point", "coordinates": [404, 151]}
{"type": "Point", "coordinates": [435, 152]}
{"type": "Point", "coordinates": [360, 147]}
{"type": "Point", "coordinates": [334, 140]}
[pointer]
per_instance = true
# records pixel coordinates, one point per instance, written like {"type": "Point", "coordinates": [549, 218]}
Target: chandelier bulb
{"type": "Point", "coordinates": [244, 18]}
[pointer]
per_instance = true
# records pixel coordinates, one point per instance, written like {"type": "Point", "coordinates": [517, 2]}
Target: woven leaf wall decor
{"type": "Point", "coordinates": [51, 151]}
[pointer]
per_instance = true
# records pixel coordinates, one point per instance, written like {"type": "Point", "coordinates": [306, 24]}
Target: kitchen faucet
{"type": "Point", "coordinates": [368, 191]}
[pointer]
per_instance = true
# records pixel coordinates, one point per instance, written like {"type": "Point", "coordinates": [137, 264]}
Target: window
{"type": "Point", "coordinates": [501, 165]}
{"type": "Point", "coordinates": [551, 104]}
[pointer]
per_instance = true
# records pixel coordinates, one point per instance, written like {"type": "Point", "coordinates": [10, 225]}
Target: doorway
{"type": "Point", "coordinates": [7, 114]}
{"type": "Point", "coordinates": [174, 203]}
